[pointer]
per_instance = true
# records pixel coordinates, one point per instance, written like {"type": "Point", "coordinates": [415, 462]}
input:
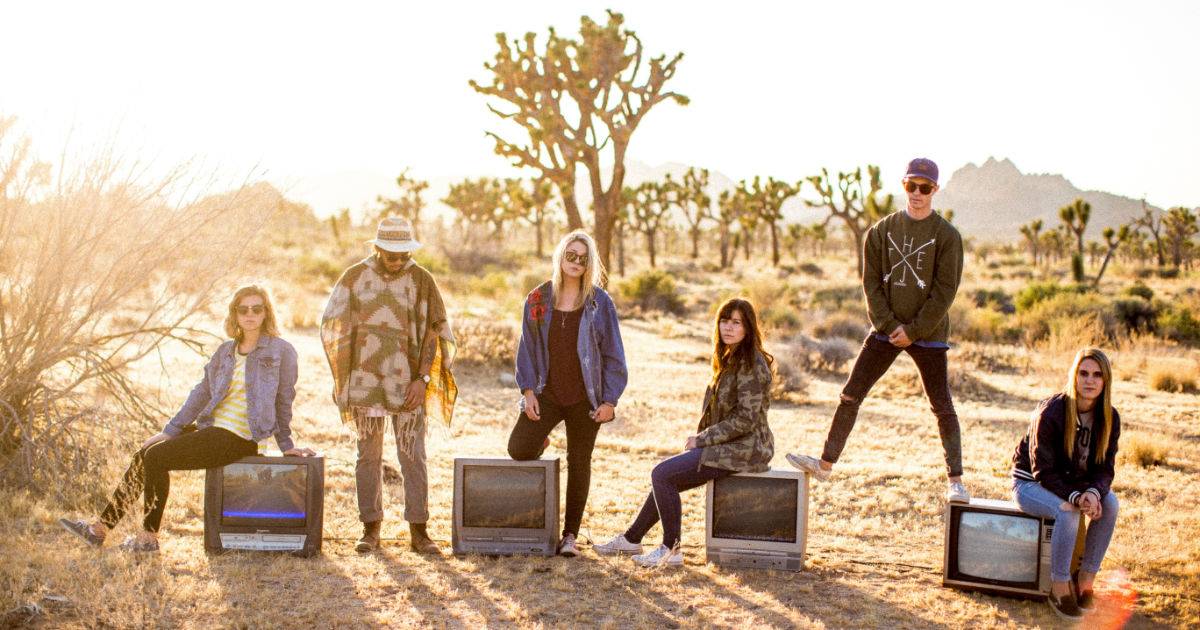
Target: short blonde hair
{"type": "Point", "coordinates": [231, 323]}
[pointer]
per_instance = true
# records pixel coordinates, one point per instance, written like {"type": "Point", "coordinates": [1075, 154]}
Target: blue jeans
{"type": "Point", "coordinates": [669, 478]}
{"type": "Point", "coordinates": [1038, 501]}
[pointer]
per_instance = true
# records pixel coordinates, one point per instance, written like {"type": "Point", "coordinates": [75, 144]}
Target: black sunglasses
{"type": "Point", "coordinates": [578, 259]}
{"type": "Point", "coordinates": [257, 309]}
{"type": "Point", "coordinates": [394, 256]}
{"type": "Point", "coordinates": [911, 186]}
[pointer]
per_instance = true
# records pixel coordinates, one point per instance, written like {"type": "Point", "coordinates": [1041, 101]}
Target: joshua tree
{"type": "Point", "coordinates": [748, 219]}
{"type": "Point", "coordinates": [408, 204]}
{"type": "Point", "coordinates": [732, 204]}
{"type": "Point", "coordinates": [530, 204]}
{"type": "Point", "coordinates": [480, 202]}
{"type": "Point", "coordinates": [1075, 218]}
{"type": "Point", "coordinates": [1179, 226]}
{"type": "Point", "coordinates": [857, 209]}
{"type": "Point", "coordinates": [1030, 232]}
{"type": "Point", "coordinates": [579, 100]}
{"type": "Point", "coordinates": [694, 203]}
{"type": "Point", "coordinates": [766, 201]}
{"type": "Point", "coordinates": [1112, 239]}
{"type": "Point", "coordinates": [1153, 224]}
{"type": "Point", "coordinates": [652, 205]}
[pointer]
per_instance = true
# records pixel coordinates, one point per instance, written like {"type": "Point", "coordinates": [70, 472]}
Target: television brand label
{"type": "Point", "coordinates": [263, 542]}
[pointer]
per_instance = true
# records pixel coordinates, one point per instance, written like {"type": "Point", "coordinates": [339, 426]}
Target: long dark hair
{"type": "Point", "coordinates": [725, 357]}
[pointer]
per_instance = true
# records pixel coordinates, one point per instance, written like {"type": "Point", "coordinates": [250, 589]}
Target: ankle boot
{"type": "Point", "coordinates": [370, 538]}
{"type": "Point", "coordinates": [419, 540]}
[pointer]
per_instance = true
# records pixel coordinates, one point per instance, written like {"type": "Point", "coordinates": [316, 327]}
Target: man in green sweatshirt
{"type": "Point", "coordinates": [912, 264]}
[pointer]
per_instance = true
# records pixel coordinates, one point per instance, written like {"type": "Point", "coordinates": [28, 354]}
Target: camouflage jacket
{"type": "Point", "coordinates": [733, 431]}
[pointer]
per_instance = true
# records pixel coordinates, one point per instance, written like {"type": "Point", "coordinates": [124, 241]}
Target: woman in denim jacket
{"type": "Point", "coordinates": [570, 368]}
{"type": "Point", "coordinates": [245, 397]}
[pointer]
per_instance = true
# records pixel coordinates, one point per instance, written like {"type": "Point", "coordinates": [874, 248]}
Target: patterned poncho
{"type": "Point", "coordinates": [379, 331]}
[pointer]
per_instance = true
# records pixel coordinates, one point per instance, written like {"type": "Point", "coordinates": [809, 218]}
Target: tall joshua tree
{"type": "Point", "coordinates": [530, 204]}
{"type": "Point", "coordinates": [767, 200]}
{"type": "Point", "coordinates": [1179, 225]}
{"type": "Point", "coordinates": [857, 208]}
{"type": "Point", "coordinates": [731, 205]}
{"type": "Point", "coordinates": [1031, 234]}
{"type": "Point", "coordinates": [1075, 218]}
{"type": "Point", "coordinates": [651, 206]}
{"type": "Point", "coordinates": [579, 101]}
{"type": "Point", "coordinates": [1153, 224]}
{"type": "Point", "coordinates": [1112, 240]}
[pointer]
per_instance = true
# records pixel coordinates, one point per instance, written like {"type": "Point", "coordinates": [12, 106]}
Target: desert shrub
{"type": "Point", "coordinates": [1168, 273]}
{"type": "Point", "coordinates": [791, 379]}
{"type": "Point", "coordinates": [1178, 323]}
{"type": "Point", "coordinates": [822, 355]}
{"type": "Point", "coordinates": [1167, 379]}
{"type": "Point", "coordinates": [780, 318]}
{"type": "Point", "coordinates": [811, 269]}
{"type": "Point", "coordinates": [995, 299]}
{"type": "Point", "coordinates": [316, 265]}
{"type": "Point", "coordinates": [1139, 289]}
{"type": "Point", "coordinates": [1037, 292]}
{"type": "Point", "coordinates": [1135, 314]}
{"type": "Point", "coordinates": [1144, 451]}
{"type": "Point", "coordinates": [432, 260]}
{"type": "Point", "coordinates": [986, 325]}
{"type": "Point", "coordinates": [486, 342]}
{"type": "Point", "coordinates": [768, 294]}
{"type": "Point", "coordinates": [836, 298]}
{"type": "Point", "coordinates": [651, 290]}
{"type": "Point", "coordinates": [1054, 313]}
{"type": "Point", "coordinates": [841, 324]}
{"type": "Point", "coordinates": [491, 285]}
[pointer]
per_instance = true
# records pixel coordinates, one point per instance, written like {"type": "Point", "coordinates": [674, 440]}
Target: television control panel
{"type": "Point", "coordinates": [750, 559]}
{"type": "Point", "coordinates": [263, 542]}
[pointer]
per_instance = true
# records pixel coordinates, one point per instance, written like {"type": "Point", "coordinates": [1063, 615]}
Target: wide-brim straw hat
{"type": "Point", "coordinates": [395, 234]}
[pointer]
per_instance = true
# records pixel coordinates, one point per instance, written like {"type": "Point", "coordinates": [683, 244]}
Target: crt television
{"type": "Point", "coordinates": [505, 507]}
{"type": "Point", "coordinates": [758, 520]}
{"type": "Point", "coordinates": [993, 546]}
{"type": "Point", "coordinates": [262, 503]}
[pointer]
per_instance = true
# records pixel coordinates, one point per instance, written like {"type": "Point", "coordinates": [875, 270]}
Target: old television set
{"type": "Point", "coordinates": [505, 507]}
{"type": "Point", "coordinates": [264, 503]}
{"type": "Point", "coordinates": [992, 546]}
{"type": "Point", "coordinates": [758, 520]}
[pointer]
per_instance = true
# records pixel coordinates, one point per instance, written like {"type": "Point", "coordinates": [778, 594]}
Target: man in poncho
{"type": "Point", "coordinates": [390, 347]}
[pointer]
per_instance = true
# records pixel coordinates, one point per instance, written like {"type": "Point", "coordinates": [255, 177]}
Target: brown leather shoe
{"type": "Point", "coordinates": [370, 538]}
{"type": "Point", "coordinates": [420, 541]}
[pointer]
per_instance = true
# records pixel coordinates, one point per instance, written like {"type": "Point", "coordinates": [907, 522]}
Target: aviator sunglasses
{"type": "Point", "coordinates": [578, 259]}
{"type": "Point", "coordinates": [257, 309]}
{"type": "Point", "coordinates": [912, 186]}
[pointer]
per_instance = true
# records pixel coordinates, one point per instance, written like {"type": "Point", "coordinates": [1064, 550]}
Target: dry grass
{"type": "Point", "coordinates": [875, 543]}
{"type": "Point", "coordinates": [1167, 379]}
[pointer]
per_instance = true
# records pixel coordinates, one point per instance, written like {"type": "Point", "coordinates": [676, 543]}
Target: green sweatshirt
{"type": "Point", "coordinates": [911, 271]}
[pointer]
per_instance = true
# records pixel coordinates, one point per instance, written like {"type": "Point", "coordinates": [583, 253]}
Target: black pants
{"type": "Point", "coordinates": [873, 361]}
{"type": "Point", "coordinates": [148, 472]}
{"type": "Point", "coordinates": [527, 438]}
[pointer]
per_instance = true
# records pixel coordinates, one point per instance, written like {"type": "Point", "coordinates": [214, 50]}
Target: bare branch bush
{"type": "Point", "coordinates": [102, 262]}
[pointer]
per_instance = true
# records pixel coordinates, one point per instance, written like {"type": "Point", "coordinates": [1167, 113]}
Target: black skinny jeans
{"type": "Point", "coordinates": [527, 438]}
{"type": "Point", "coordinates": [148, 473]}
{"type": "Point", "coordinates": [873, 361]}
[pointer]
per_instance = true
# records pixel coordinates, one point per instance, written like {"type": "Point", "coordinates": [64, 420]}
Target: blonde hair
{"type": "Point", "coordinates": [1100, 446]}
{"type": "Point", "coordinates": [231, 323]}
{"type": "Point", "coordinates": [593, 271]}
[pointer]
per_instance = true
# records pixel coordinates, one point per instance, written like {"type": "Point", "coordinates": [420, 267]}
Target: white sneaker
{"type": "Point", "coordinates": [956, 492]}
{"type": "Point", "coordinates": [618, 545]}
{"type": "Point", "coordinates": [810, 465]}
{"type": "Point", "coordinates": [566, 547]}
{"type": "Point", "coordinates": [661, 556]}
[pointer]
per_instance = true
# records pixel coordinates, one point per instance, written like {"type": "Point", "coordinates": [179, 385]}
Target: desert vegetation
{"type": "Point", "coordinates": [112, 283]}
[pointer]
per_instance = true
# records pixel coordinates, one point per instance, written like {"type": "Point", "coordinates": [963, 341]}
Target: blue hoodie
{"type": "Point", "coordinates": [601, 353]}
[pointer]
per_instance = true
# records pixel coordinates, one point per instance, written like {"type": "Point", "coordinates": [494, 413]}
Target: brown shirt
{"type": "Point", "coordinates": [565, 380]}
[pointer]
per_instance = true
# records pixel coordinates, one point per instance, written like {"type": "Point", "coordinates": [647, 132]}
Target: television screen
{"type": "Point", "coordinates": [264, 494]}
{"type": "Point", "coordinates": [1000, 547]}
{"type": "Point", "coordinates": [755, 508]}
{"type": "Point", "coordinates": [504, 496]}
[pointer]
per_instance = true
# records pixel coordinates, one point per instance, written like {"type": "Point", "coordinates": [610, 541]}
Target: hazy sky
{"type": "Point", "coordinates": [1106, 93]}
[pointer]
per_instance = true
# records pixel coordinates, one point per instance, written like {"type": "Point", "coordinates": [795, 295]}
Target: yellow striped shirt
{"type": "Point", "coordinates": [231, 413]}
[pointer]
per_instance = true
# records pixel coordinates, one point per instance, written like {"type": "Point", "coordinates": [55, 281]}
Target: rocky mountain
{"type": "Point", "coordinates": [991, 201]}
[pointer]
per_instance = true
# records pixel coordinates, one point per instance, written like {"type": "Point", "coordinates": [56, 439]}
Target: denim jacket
{"type": "Point", "coordinates": [270, 390]}
{"type": "Point", "coordinates": [601, 353]}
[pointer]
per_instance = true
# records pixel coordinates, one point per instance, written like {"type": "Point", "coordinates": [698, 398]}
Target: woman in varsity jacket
{"type": "Point", "coordinates": [244, 397]}
{"type": "Point", "coordinates": [1063, 467]}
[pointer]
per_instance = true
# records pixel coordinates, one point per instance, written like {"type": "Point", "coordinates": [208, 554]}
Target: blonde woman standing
{"type": "Point", "coordinates": [570, 368]}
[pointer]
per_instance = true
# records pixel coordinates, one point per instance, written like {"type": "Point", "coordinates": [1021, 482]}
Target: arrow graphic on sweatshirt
{"type": "Point", "coordinates": [904, 260]}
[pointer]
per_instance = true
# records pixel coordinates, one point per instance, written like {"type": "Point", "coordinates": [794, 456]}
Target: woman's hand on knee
{"type": "Point", "coordinates": [155, 439]}
{"type": "Point", "coordinates": [532, 410]}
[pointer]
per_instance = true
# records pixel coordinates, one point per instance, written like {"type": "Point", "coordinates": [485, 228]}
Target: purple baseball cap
{"type": "Point", "coordinates": [923, 167]}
